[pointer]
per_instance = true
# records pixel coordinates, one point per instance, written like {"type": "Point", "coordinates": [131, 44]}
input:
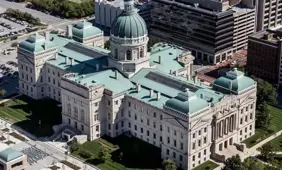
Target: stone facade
{"type": "Point", "coordinates": [153, 96]}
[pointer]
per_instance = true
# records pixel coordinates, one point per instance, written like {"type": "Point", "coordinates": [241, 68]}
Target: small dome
{"type": "Point", "coordinates": [36, 43]}
{"type": "Point", "coordinates": [84, 29]}
{"type": "Point", "coordinates": [129, 24]}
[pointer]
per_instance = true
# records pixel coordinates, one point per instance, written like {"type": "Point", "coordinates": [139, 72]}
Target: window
{"type": "Point", "coordinates": [129, 104]}
{"type": "Point", "coordinates": [154, 135]}
{"type": "Point", "coordinates": [174, 143]}
{"type": "Point", "coordinates": [246, 119]}
{"type": "Point", "coordinates": [246, 129]}
{"type": "Point", "coordinates": [141, 52]}
{"type": "Point", "coordinates": [181, 145]}
{"type": "Point", "coordinates": [161, 138]}
{"type": "Point", "coordinates": [155, 114]}
{"type": "Point", "coordinates": [135, 127]}
{"type": "Point", "coordinates": [193, 158]}
{"type": "Point", "coordinates": [199, 132]}
{"type": "Point", "coordinates": [135, 117]}
{"type": "Point", "coordinates": [250, 127]}
{"type": "Point", "coordinates": [148, 122]}
{"type": "Point", "coordinates": [109, 126]}
{"type": "Point", "coordinates": [174, 155]}
{"type": "Point", "coordinates": [205, 140]}
{"type": "Point", "coordinates": [180, 158]}
{"type": "Point", "coordinates": [49, 79]}
{"type": "Point", "coordinates": [168, 140]}
{"type": "Point", "coordinates": [129, 124]}
{"type": "Point", "coordinates": [129, 114]}
{"type": "Point", "coordinates": [17, 164]}
{"type": "Point", "coordinates": [141, 130]}
{"type": "Point", "coordinates": [205, 152]}
{"type": "Point", "coordinates": [199, 142]}
{"type": "Point", "coordinates": [97, 128]}
{"type": "Point", "coordinates": [109, 116]}
{"type": "Point", "coordinates": [82, 115]}
{"type": "Point", "coordinates": [167, 151]}
{"type": "Point", "coordinates": [154, 124]}
{"type": "Point", "coordinates": [205, 130]}
{"type": "Point", "coordinates": [141, 119]}
{"type": "Point", "coordinates": [161, 117]}
{"type": "Point", "coordinates": [116, 53]}
{"type": "Point", "coordinates": [128, 55]}
{"type": "Point", "coordinates": [75, 113]}
{"type": "Point", "coordinates": [240, 132]}
{"type": "Point", "coordinates": [194, 135]}
{"type": "Point", "coordinates": [109, 102]}
{"type": "Point", "coordinates": [42, 89]}
{"type": "Point", "coordinates": [117, 126]}
{"type": "Point", "coordinates": [121, 123]}
{"type": "Point", "coordinates": [199, 155]}
{"type": "Point", "coordinates": [161, 127]}
{"type": "Point", "coordinates": [168, 130]}
{"type": "Point", "coordinates": [181, 135]}
{"type": "Point", "coordinates": [116, 102]}
{"type": "Point", "coordinates": [174, 132]}
{"type": "Point", "coordinates": [241, 121]}
{"type": "Point", "coordinates": [251, 115]}
{"type": "Point", "coordinates": [148, 133]}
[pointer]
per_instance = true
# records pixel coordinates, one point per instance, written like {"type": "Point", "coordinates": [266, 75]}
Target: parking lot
{"type": "Point", "coordinates": [10, 27]}
{"type": "Point", "coordinates": [8, 72]}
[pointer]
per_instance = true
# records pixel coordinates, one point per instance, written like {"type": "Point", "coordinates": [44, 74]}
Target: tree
{"type": "Point", "coordinates": [74, 146]}
{"type": "Point", "coordinates": [265, 93]}
{"type": "Point", "coordinates": [85, 154]}
{"type": "Point", "coordinates": [107, 44]}
{"type": "Point", "coordinates": [104, 154]}
{"type": "Point", "coordinates": [263, 116]}
{"type": "Point", "coordinates": [168, 165]}
{"type": "Point", "coordinates": [152, 41]}
{"type": "Point", "coordinates": [2, 92]}
{"type": "Point", "coordinates": [250, 164]}
{"type": "Point", "coordinates": [233, 163]}
{"type": "Point", "coordinates": [267, 152]}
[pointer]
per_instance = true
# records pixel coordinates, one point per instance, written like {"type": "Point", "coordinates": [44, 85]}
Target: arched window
{"type": "Point", "coordinates": [116, 53]}
{"type": "Point", "coordinates": [69, 109]}
{"type": "Point", "coordinates": [82, 115]}
{"type": "Point", "coordinates": [75, 113]}
{"type": "Point", "coordinates": [141, 53]}
{"type": "Point", "coordinates": [128, 55]}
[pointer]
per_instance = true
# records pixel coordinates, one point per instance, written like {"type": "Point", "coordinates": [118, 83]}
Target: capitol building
{"type": "Point", "coordinates": [151, 94]}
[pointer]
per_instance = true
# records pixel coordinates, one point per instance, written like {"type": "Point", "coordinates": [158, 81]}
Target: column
{"type": "Point", "coordinates": [231, 123]}
{"type": "Point", "coordinates": [227, 125]}
{"type": "Point", "coordinates": [234, 122]}
{"type": "Point", "coordinates": [221, 128]}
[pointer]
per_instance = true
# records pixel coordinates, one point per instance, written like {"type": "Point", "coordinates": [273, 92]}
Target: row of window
{"type": "Point", "coordinates": [204, 130]}
{"type": "Point", "coordinates": [250, 116]}
{"type": "Point", "coordinates": [200, 142]}
{"type": "Point", "coordinates": [75, 113]}
{"type": "Point", "coordinates": [58, 74]}
{"type": "Point", "coordinates": [251, 106]}
{"type": "Point", "coordinates": [142, 110]}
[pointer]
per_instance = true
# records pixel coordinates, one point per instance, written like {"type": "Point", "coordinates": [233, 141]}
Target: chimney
{"type": "Point", "coordinates": [72, 62]}
{"type": "Point", "coordinates": [188, 77]}
{"type": "Point", "coordinates": [138, 87]}
{"type": "Point", "coordinates": [196, 79]}
{"type": "Point", "coordinates": [116, 74]}
{"type": "Point", "coordinates": [47, 35]}
{"type": "Point", "coordinates": [158, 95]}
{"type": "Point", "coordinates": [69, 31]}
{"type": "Point", "coordinates": [170, 71]}
{"type": "Point", "coordinates": [66, 60]}
{"type": "Point", "coordinates": [230, 85]}
{"type": "Point", "coordinates": [56, 56]}
{"type": "Point", "coordinates": [202, 96]}
{"type": "Point", "coordinates": [151, 93]}
{"type": "Point", "coordinates": [97, 67]}
{"type": "Point", "coordinates": [175, 73]}
{"type": "Point", "coordinates": [160, 59]}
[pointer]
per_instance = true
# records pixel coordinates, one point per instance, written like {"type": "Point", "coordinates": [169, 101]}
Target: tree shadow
{"type": "Point", "coordinates": [94, 161]}
{"type": "Point", "coordinates": [135, 153]}
{"type": "Point", "coordinates": [41, 116]}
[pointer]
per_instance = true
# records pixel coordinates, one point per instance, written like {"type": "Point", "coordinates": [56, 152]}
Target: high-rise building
{"type": "Point", "coordinates": [269, 14]}
{"type": "Point", "coordinates": [212, 30]}
{"type": "Point", "coordinates": [264, 55]}
{"type": "Point", "coordinates": [107, 10]}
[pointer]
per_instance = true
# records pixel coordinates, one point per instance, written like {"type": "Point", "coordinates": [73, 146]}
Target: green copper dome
{"type": "Point", "coordinates": [129, 24]}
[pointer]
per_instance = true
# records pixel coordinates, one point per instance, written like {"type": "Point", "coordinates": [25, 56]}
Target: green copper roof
{"type": "Point", "coordinates": [186, 103]}
{"type": "Point", "coordinates": [233, 80]}
{"type": "Point", "coordinates": [10, 154]}
{"type": "Point", "coordinates": [129, 26]}
{"type": "Point", "coordinates": [168, 55]}
{"type": "Point", "coordinates": [84, 29]}
{"type": "Point", "coordinates": [36, 43]}
{"type": "Point", "coordinates": [108, 79]}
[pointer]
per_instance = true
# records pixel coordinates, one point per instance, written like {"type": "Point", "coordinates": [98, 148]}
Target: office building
{"type": "Point", "coordinates": [212, 30]}
{"type": "Point", "coordinates": [264, 55]}
{"type": "Point", "coordinates": [11, 159]}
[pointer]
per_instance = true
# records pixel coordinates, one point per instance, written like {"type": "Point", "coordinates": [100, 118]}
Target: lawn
{"type": "Point", "coordinates": [136, 154]}
{"type": "Point", "coordinates": [208, 165]}
{"type": "Point", "coordinates": [36, 117]}
{"type": "Point", "coordinates": [277, 143]}
{"type": "Point", "coordinates": [261, 134]}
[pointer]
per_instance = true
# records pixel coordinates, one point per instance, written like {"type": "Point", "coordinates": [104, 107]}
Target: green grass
{"type": "Point", "coordinates": [206, 165]}
{"type": "Point", "coordinates": [277, 143]}
{"type": "Point", "coordinates": [137, 154]}
{"type": "Point", "coordinates": [261, 134]}
{"type": "Point", "coordinates": [36, 117]}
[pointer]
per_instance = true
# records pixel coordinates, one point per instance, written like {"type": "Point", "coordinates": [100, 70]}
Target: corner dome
{"type": "Point", "coordinates": [84, 29]}
{"type": "Point", "coordinates": [129, 24]}
{"type": "Point", "coordinates": [36, 43]}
